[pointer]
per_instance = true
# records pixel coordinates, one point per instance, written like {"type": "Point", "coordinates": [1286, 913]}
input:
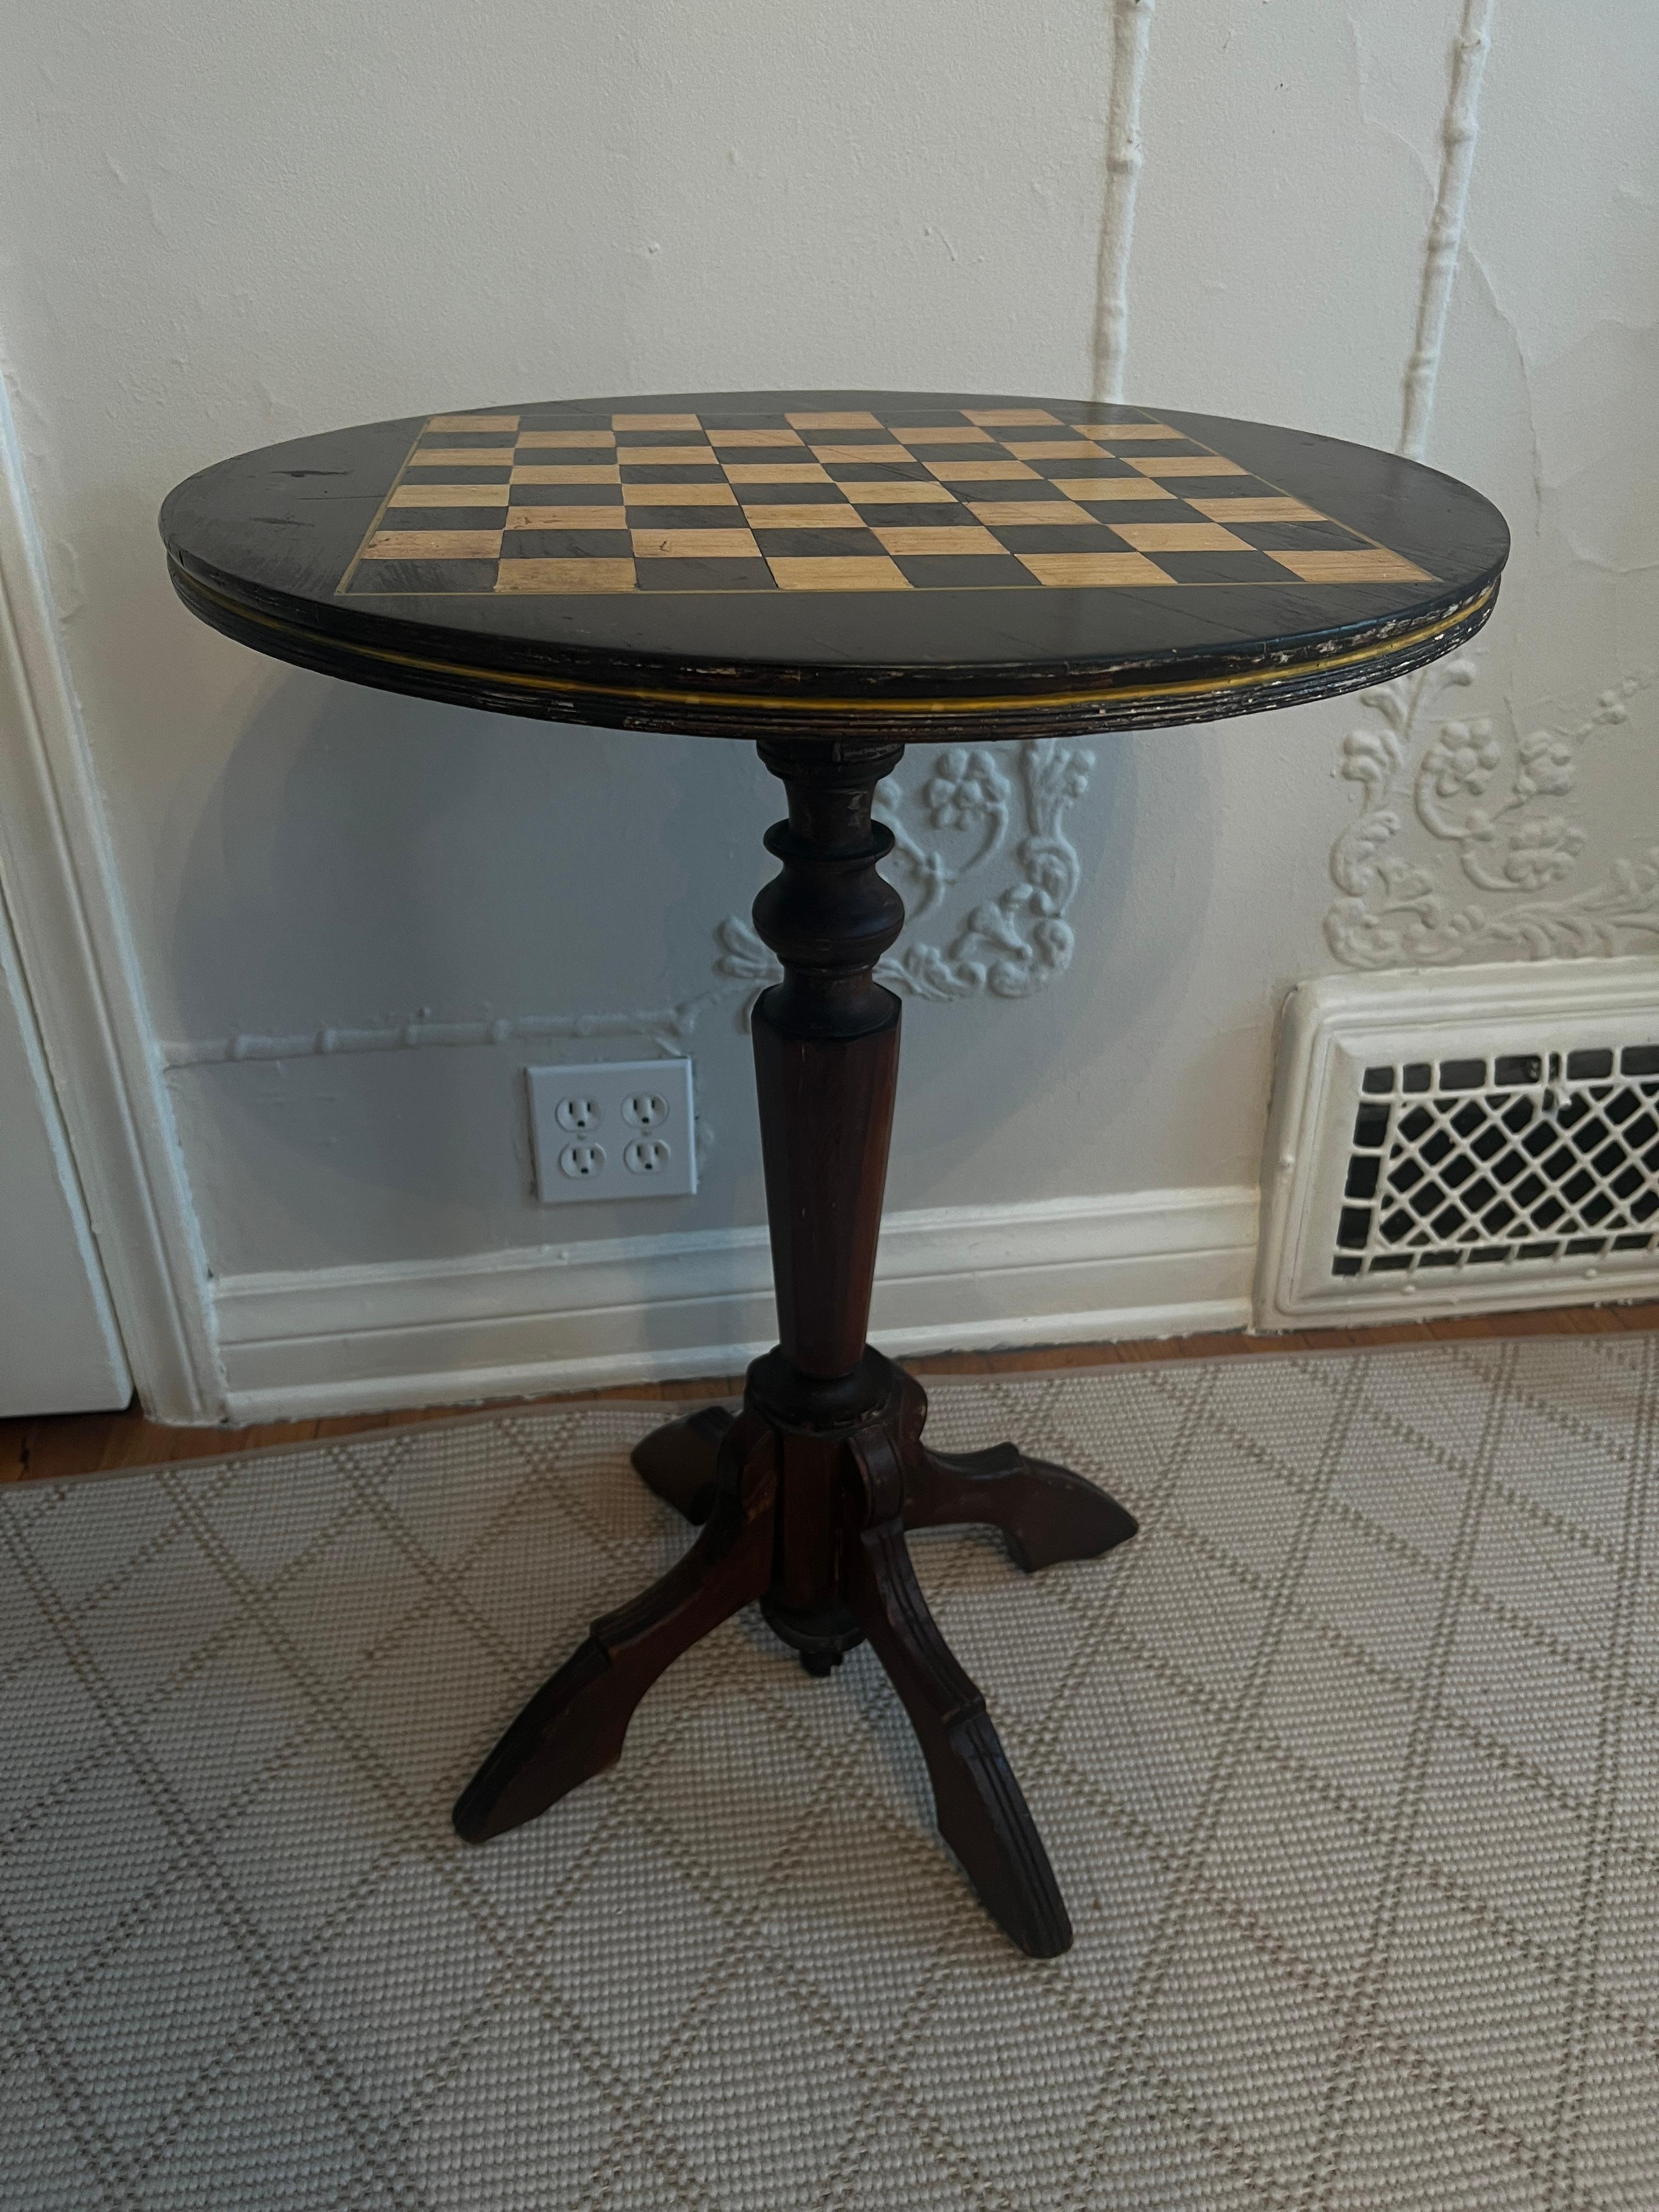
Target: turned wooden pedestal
{"type": "Point", "coordinates": [805, 1496]}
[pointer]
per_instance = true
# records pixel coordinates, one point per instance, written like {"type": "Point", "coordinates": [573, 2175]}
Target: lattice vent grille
{"type": "Point", "coordinates": [1524, 1158]}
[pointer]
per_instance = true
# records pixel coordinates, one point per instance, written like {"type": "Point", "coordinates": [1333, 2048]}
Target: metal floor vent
{"type": "Point", "coordinates": [1476, 1163]}
{"type": "Point", "coordinates": [1482, 1138]}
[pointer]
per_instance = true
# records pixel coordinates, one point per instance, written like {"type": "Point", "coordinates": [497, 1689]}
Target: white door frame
{"type": "Point", "coordinates": [68, 919]}
{"type": "Point", "coordinates": [61, 1349]}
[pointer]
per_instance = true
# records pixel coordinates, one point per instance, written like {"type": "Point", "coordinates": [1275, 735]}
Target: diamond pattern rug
{"type": "Point", "coordinates": [1349, 1767]}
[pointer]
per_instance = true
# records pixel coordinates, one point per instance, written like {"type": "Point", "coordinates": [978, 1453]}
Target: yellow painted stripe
{"type": "Point", "coordinates": [889, 709]}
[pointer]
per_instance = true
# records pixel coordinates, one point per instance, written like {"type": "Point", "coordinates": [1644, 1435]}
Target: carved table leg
{"type": "Point", "coordinates": [1044, 1513]}
{"type": "Point", "coordinates": [573, 1726]}
{"type": "Point", "coordinates": [981, 1810]}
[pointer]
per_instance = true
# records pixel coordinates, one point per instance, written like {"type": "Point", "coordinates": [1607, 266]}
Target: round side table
{"type": "Point", "coordinates": [832, 576]}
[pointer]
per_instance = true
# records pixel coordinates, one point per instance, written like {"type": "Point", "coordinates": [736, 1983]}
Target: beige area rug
{"type": "Point", "coordinates": [1349, 1767]}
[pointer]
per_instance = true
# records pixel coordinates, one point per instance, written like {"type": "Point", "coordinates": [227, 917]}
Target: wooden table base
{"type": "Point", "coordinates": [805, 1496]}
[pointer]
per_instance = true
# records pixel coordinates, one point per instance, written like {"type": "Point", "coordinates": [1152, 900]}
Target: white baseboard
{"type": "Point", "coordinates": [510, 1324]}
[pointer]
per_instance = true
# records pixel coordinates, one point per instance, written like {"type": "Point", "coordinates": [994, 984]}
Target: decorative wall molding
{"type": "Point", "coordinates": [667, 1027]}
{"type": "Point", "coordinates": [70, 922]}
{"type": "Point", "coordinates": [1491, 805]}
{"type": "Point", "coordinates": [1459, 128]}
{"type": "Point", "coordinates": [1006, 947]}
{"type": "Point", "coordinates": [505, 1324]}
{"type": "Point", "coordinates": [1415, 762]}
{"type": "Point", "coordinates": [1131, 30]}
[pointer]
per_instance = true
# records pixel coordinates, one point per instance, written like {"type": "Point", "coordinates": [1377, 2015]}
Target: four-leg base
{"type": "Point", "coordinates": [775, 1527]}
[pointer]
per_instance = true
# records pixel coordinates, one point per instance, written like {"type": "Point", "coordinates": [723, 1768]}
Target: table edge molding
{"type": "Point", "coordinates": [1188, 693]}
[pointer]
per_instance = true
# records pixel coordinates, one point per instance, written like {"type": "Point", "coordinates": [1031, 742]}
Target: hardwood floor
{"type": "Point", "coordinates": [45, 1448]}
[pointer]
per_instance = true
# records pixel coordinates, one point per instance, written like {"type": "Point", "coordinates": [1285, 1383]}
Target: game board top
{"type": "Point", "coordinates": [942, 550]}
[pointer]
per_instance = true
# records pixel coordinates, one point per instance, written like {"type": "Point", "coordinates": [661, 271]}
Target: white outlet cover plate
{"type": "Point", "coordinates": [615, 1129]}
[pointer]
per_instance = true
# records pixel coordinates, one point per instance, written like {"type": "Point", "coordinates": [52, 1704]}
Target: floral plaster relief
{"type": "Point", "coordinates": [1006, 947]}
{"type": "Point", "coordinates": [1498, 808]}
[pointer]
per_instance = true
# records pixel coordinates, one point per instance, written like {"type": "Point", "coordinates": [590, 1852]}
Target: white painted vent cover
{"type": "Point", "coordinates": [1477, 1136]}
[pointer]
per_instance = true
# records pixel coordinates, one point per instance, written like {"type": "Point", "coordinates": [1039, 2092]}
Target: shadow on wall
{"type": "Point", "coordinates": [365, 860]}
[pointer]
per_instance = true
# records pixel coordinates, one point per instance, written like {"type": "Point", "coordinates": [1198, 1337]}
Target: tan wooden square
{"type": "Point", "coordinates": [944, 539]}
{"type": "Point", "coordinates": [1010, 418]}
{"type": "Point", "coordinates": [679, 494]}
{"type": "Point", "coordinates": [433, 545]}
{"type": "Point", "coordinates": [908, 494]}
{"type": "Point", "coordinates": [979, 472]}
{"type": "Point", "coordinates": [566, 518]}
{"type": "Point", "coordinates": [573, 438]}
{"type": "Point", "coordinates": [889, 451]}
{"type": "Point", "coordinates": [1077, 571]}
{"type": "Point", "coordinates": [695, 545]}
{"type": "Point", "coordinates": [945, 433]}
{"type": "Point", "coordinates": [573, 576]}
{"type": "Point", "coordinates": [1371, 564]}
{"type": "Point", "coordinates": [1049, 449]}
{"type": "Point", "coordinates": [1109, 488]}
{"type": "Point", "coordinates": [1115, 433]}
{"type": "Point", "coordinates": [449, 496]}
{"type": "Point", "coordinates": [463, 456]}
{"type": "Point", "coordinates": [668, 457]}
{"type": "Point", "coordinates": [853, 572]}
{"type": "Point", "coordinates": [655, 422]}
{"type": "Point", "coordinates": [1028, 512]}
{"type": "Point", "coordinates": [1186, 465]}
{"type": "Point", "coordinates": [748, 438]}
{"type": "Point", "coordinates": [832, 421]}
{"type": "Point", "coordinates": [464, 422]}
{"type": "Point", "coordinates": [540, 472]}
{"type": "Point", "coordinates": [783, 473]}
{"type": "Point", "coordinates": [1179, 538]}
{"type": "Point", "coordinates": [1257, 510]}
{"type": "Point", "coordinates": [827, 517]}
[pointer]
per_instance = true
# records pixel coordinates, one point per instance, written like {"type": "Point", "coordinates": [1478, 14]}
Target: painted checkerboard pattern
{"type": "Point", "coordinates": [552, 502]}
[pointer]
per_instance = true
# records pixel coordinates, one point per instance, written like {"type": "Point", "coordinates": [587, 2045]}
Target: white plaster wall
{"type": "Point", "coordinates": [224, 227]}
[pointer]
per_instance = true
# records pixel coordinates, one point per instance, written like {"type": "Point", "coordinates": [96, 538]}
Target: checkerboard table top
{"type": "Point", "coordinates": [914, 558]}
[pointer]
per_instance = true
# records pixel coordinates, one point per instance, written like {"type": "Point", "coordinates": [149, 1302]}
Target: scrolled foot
{"type": "Point", "coordinates": [572, 1729]}
{"type": "Point", "coordinates": [677, 1460]}
{"type": "Point", "coordinates": [1045, 1513]}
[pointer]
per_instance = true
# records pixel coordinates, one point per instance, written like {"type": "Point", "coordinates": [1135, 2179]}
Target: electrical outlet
{"type": "Point", "coordinates": [621, 1129]}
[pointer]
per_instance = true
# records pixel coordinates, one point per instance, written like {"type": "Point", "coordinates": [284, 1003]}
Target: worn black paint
{"type": "Point", "coordinates": [257, 546]}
